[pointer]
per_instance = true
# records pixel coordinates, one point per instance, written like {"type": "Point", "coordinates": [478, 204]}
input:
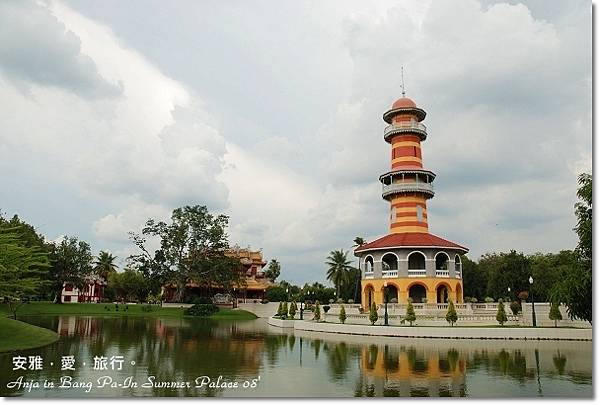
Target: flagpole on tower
{"type": "Point", "coordinates": [402, 76]}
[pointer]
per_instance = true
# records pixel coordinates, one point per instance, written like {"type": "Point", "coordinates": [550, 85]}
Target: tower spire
{"type": "Point", "coordinates": [402, 76]}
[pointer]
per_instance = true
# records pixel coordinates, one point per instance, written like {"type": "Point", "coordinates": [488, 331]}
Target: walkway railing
{"type": "Point", "coordinates": [390, 273]}
{"type": "Point", "coordinates": [405, 126]}
{"type": "Point", "coordinates": [388, 189]}
{"type": "Point", "coordinates": [442, 273]}
{"type": "Point", "coordinates": [417, 273]}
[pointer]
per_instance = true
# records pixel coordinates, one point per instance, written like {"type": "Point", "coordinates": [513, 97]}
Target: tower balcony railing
{"type": "Point", "coordinates": [394, 188]}
{"type": "Point", "coordinates": [389, 273]}
{"type": "Point", "coordinates": [442, 273]}
{"type": "Point", "coordinates": [369, 274]}
{"type": "Point", "coordinates": [405, 126]}
{"type": "Point", "coordinates": [417, 273]}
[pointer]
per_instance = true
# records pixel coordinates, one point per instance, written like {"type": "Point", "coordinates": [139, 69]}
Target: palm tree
{"type": "Point", "coordinates": [338, 268]}
{"type": "Point", "coordinates": [358, 241]}
{"type": "Point", "coordinates": [104, 264]}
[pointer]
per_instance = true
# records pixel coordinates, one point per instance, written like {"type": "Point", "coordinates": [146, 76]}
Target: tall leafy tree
{"type": "Point", "coordinates": [338, 268]}
{"type": "Point", "coordinates": [71, 262]}
{"type": "Point", "coordinates": [273, 270]}
{"type": "Point", "coordinates": [575, 288]}
{"type": "Point", "coordinates": [22, 268]}
{"type": "Point", "coordinates": [506, 270]}
{"type": "Point", "coordinates": [193, 247]}
{"type": "Point", "coordinates": [105, 264]}
{"type": "Point", "coordinates": [475, 279]}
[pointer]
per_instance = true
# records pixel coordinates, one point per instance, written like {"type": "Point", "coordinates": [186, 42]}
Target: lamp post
{"type": "Point", "coordinates": [301, 313]}
{"type": "Point", "coordinates": [385, 302]}
{"type": "Point", "coordinates": [532, 302]}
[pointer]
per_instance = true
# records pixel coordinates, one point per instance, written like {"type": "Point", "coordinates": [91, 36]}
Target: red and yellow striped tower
{"type": "Point", "coordinates": [409, 262]}
{"type": "Point", "coordinates": [407, 186]}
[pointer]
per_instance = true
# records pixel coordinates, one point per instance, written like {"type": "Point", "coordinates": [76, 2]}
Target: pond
{"type": "Point", "coordinates": [177, 357]}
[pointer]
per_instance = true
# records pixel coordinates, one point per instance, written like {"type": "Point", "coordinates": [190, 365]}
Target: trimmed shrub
{"type": "Point", "coordinates": [331, 300]}
{"type": "Point", "coordinates": [264, 301]}
{"type": "Point", "coordinates": [515, 307]}
{"type": "Point", "coordinates": [280, 309]}
{"type": "Point", "coordinates": [317, 313]}
{"type": "Point", "coordinates": [394, 300]}
{"type": "Point", "coordinates": [350, 301]}
{"type": "Point", "coordinates": [555, 314]}
{"type": "Point", "coordinates": [373, 317]}
{"type": "Point", "coordinates": [342, 315]}
{"type": "Point", "coordinates": [474, 300]}
{"type": "Point", "coordinates": [523, 295]}
{"type": "Point", "coordinates": [501, 314]}
{"type": "Point", "coordinates": [201, 310]}
{"type": "Point", "coordinates": [293, 309]}
{"type": "Point", "coordinates": [340, 301]}
{"type": "Point", "coordinates": [284, 309]}
{"type": "Point", "coordinates": [410, 312]}
{"type": "Point", "coordinates": [488, 300]}
{"type": "Point", "coordinates": [451, 316]}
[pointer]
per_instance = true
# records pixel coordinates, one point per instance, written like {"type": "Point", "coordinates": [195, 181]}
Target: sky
{"type": "Point", "coordinates": [270, 112]}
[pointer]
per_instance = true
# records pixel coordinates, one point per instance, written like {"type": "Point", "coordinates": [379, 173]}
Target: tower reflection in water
{"type": "Point", "coordinates": [405, 371]}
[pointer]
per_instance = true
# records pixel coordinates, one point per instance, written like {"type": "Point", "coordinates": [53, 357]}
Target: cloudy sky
{"type": "Point", "coordinates": [270, 112]}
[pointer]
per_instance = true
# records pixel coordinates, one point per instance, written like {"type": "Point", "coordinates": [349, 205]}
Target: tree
{"type": "Point", "coordinates": [410, 312]}
{"type": "Point", "coordinates": [274, 294]}
{"type": "Point", "coordinates": [317, 314]}
{"type": "Point", "coordinates": [293, 309]}
{"type": "Point", "coordinates": [373, 314]}
{"type": "Point", "coordinates": [273, 270]}
{"type": "Point", "coordinates": [506, 270]}
{"type": "Point", "coordinates": [575, 288]}
{"type": "Point", "coordinates": [475, 278]}
{"type": "Point", "coordinates": [342, 315]}
{"type": "Point", "coordinates": [501, 314]}
{"type": "Point", "coordinates": [105, 264]}
{"type": "Point", "coordinates": [555, 314]}
{"type": "Point", "coordinates": [451, 316]}
{"type": "Point", "coordinates": [193, 247]}
{"type": "Point", "coordinates": [22, 268]}
{"type": "Point", "coordinates": [280, 309]}
{"type": "Point", "coordinates": [358, 242]}
{"type": "Point", "coordinates": [71, 262]}
{"type": "Point", "coordinates": [338, 267]}
{"type": "Point", "coordinates": [130, 285]}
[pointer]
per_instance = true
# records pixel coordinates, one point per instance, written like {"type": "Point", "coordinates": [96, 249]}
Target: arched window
{"type": "Point", "coordinates": [457, 266]}
{"type": "Point", "coordinates": [369, 264]}
{"type": "Point", "coordinates": [441, 261]}
{"type": "Point", "coordinates": [389, 261]}
{"type": "Point", "coordinates": [416, 261]}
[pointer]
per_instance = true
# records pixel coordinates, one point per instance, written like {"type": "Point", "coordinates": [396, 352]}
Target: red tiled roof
{"type": "Point", "coordinates": [409, 240]}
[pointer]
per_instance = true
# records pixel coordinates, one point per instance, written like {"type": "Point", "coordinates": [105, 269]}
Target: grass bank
{"type": "Point", "coordinates": [49, 308]}
{"type": "Point", "coordinates": [17, 335]}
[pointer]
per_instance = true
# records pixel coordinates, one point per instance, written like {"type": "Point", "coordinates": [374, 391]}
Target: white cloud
{"type": "Point", "coordinates": [294, 160]}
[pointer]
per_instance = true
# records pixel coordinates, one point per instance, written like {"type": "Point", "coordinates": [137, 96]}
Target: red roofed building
{"type": "Point", "coordinates": [409, 261]}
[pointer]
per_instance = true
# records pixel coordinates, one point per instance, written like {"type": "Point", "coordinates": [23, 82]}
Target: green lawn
{"type": "Point", "coordinates": [17, 335]}
{"type": "Point", "coordinates": [48, 308]}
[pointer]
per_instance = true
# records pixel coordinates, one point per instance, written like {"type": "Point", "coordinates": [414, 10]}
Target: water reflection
{"type": "Point", "coordinates": [301, 364]}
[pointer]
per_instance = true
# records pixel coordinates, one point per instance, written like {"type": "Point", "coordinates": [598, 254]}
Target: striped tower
{"type": "Point", "coordinates": [407, 186]}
